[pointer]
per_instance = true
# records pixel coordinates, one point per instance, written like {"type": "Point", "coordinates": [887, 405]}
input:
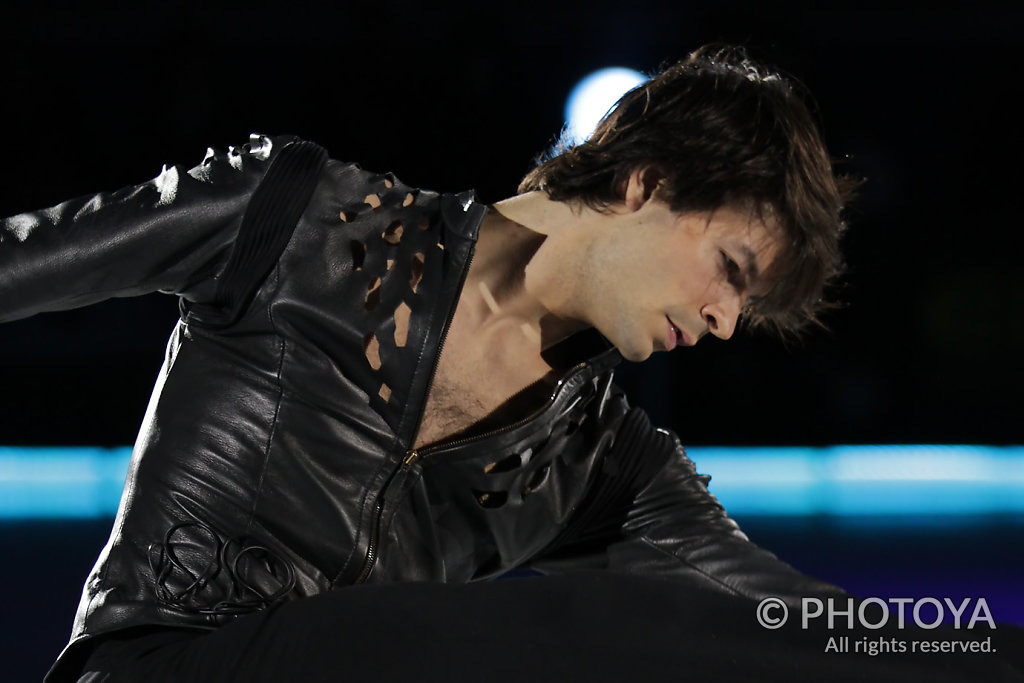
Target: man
{"type": "Point", "coordinates": [372, 383]}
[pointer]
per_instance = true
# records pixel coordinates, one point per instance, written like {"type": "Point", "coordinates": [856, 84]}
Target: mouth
{"type": "Point", "coordinates": [675, 336]}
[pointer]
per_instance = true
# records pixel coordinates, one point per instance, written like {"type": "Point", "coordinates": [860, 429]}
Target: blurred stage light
{"type": "Point", "coordinates": [39, 483]}
{"type": "Point", "coordinates": [593, 96]}
{"type": "Point", "coordinates": [866, 480]}
{"type": "Point", "coordinates": [854, 481]}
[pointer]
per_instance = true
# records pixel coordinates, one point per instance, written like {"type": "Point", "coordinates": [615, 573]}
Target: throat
{"type": "Point", "coordinates": [494, 369]}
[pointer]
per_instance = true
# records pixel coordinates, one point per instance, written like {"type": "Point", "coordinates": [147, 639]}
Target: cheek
{"type": "Point", "coordinates": [695, 266]}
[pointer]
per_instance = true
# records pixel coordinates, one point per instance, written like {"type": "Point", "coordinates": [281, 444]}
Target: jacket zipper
{"type": "Point", "coordinates": [413, 456]}
{"type": "Point", "coordinates": [378, 508]}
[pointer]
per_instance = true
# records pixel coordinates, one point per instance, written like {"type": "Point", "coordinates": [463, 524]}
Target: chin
{"type": "Point", "coordinates": [635, 353]}
{"type": "Point", "coordinates": [623, 336]}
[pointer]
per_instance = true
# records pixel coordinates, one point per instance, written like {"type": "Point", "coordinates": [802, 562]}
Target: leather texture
{"type": "Point", "coordinates": [274, 459]}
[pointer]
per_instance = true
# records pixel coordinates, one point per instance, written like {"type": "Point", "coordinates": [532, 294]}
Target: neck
{"type": "Point", "coordinates": [511, 284]}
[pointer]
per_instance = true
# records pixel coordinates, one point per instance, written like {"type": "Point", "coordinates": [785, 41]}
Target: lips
{"type": "Point", "coordinates": [675, 335]}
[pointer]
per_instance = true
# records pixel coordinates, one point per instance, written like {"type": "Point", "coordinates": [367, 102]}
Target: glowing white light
{"type": "Point", "coordinates": [167, 185]}
{"type": "Point", "coordinates": [593, 96]}
{"type": "Point", "coordinates": [21, 226]}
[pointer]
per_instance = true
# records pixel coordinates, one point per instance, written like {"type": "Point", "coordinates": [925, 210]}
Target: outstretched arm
{"type": "Point", "coordinates": [173, 233]}
{"type": "Point", "coordinates": [649, 512]}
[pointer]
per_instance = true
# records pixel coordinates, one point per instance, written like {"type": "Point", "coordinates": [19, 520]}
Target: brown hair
{"type": "Point", "coordinates": [723, 131]}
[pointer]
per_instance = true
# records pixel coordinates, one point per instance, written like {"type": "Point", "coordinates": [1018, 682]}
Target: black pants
{"type": "Point", "coordinates": [584, 628]}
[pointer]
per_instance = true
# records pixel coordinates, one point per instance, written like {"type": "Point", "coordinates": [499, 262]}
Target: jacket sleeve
{"type": "Point", "coordinates": [649, 512]}
{"type": "Point", "coordinates": [173, 234]}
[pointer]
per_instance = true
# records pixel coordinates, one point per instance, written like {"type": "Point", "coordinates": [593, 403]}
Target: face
{"type": "Point", "coordinates": [656, 280]}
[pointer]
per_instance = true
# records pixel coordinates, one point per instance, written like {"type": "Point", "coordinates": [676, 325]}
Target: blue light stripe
{"type": "Point", "coordinates": [38, 483]}
{"type": "Point", "coordinates": [866, 480]}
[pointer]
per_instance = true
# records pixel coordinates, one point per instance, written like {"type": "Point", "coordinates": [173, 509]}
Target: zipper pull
{"type": "Point", "coordinates": [410, 459]}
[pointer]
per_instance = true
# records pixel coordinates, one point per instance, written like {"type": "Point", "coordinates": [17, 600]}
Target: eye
{"type": "Point", "coordinates": [733, 273]}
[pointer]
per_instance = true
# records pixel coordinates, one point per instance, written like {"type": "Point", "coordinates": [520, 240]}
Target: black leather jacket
{"type": "Point", "coordinates": [275, 460]}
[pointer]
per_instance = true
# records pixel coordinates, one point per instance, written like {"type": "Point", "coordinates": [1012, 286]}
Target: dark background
{"type": "Point", "coordinates": [924, 103]}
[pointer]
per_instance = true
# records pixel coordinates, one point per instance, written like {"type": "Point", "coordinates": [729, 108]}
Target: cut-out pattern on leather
{"type": "Point", "coordinates": [417, 270]}
{"type": "Point", "coordinates": [372, 349]}
{"type": "Point", "coordinates": [393, 234]}
{"type": "Point", "coordinates": [358, 254]}
{"type": "Point", "coordinates": [529, 472]}
{"type": "Point", "coordinates": [512, 477]}
{"type": "Point", "coordinates": [402, 315]}
{"type": "Point", "coordinates": [373, 294]}
{"type": "Point", "coordinates": [508, 464]}
{"type": "Point", "coordinates": [491, 499]}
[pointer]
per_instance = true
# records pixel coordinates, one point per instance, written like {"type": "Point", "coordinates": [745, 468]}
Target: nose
{"type": "Point", "coordinates": [721, 318]}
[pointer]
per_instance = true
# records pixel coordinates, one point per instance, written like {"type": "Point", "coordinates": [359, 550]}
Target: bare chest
{"type": "Point", "coordinates": [473, 388]}
{"type": "Point", "coordinates": [453, 406]}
